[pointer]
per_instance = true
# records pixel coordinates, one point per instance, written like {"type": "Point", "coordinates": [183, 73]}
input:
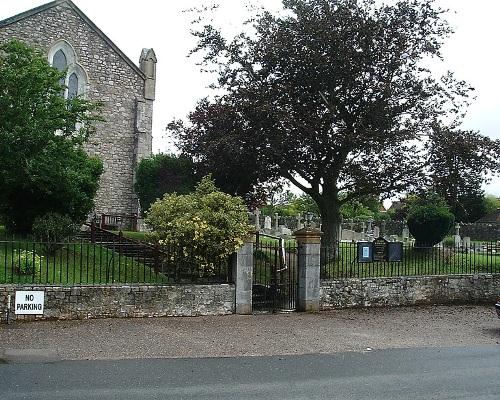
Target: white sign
{"type": "Point", "coordinates": [366, 252]}
{"type": "Point", "coordinates": [29, 302]}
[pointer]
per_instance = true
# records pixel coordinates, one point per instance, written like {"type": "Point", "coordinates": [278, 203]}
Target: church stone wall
{"type": "Point", "coordinates": [110, 80]}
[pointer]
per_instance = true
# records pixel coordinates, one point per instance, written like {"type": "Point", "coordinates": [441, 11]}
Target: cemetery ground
{"type": "Point", "coordinates": [327, 332]}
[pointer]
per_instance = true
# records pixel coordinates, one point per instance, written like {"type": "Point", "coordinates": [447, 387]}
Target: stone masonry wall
{"type": "Point", "coordinates": [110, 80]}
{"type": "Point", "coordinates": [409, 291]}
{"type": "Point", "coordinates": [84, 302]}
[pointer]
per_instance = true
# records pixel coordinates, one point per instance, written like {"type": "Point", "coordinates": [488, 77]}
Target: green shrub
{"type": "Point", "coordinates": [26, 262]}
{"type": "Point", "coordinates": [52, 229]}
{"type": "Point", "coordinates": [449, 241]}
{"type": "Point", "coordinates": [207, 225]}
{"type": "Point", "coordinates": [429, 220]}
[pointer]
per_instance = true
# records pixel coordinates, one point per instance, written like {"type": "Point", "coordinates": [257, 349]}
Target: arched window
{"type": "Point", "coordinates": [60, 61]}
{"type": "Point", "coordinates": [72, 86]}
{"type": "Point", "coordinates": [63, 57]}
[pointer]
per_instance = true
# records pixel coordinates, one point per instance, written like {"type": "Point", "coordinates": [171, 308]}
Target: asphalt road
{"type": "Point", "coordinates": [423, 373]}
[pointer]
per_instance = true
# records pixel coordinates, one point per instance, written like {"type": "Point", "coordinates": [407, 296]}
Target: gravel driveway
{"type": "Point", "coordinates": [234, 335]}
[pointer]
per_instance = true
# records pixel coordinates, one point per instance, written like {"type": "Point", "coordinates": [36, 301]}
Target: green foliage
{"type": "Point", "coordinates": [429, 220]}
{"type": "Point", "coordinates": [449, 241]}
{"type": "Point", "coordinates": [288, 204]}
{"type": "Point", "coordinates": [206, 224]}
{"type": "Point", "coordinates": [314, 95]}
{"type": "Point", "coordinates": [26, 262]}
{"type": "Point", "coordinates": [44, 167]}
{"type": "Point", "coordinates": [460, 162]}
{"type": "Point", "coordinates": [491, 204]}
{"type": "Point", "coordinates": [53, 229]}
{"type": "Point", "coordinates": [163, 173]}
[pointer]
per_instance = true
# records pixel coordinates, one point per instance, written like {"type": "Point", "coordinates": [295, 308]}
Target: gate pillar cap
{"type": "Point", "coordinates": [308, 235]}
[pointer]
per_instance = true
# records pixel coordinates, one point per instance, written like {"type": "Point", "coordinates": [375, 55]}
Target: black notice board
{"type": "Point", "coordinates": [380, 249]}
{"type": "Point", "coordinates": [395, 251]}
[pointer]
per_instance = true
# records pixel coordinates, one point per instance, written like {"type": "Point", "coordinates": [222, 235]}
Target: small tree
{"type": "Point", "coordinates": [429, 220]}
{"type": "Point", "coordinates": [43, 165]}
{"type": "Point", "coordinates": [204, 223]}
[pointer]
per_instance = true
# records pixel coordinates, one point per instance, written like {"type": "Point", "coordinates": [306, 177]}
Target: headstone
{"type": "Point", "coordinates": [457, 229]}
{"type": "Point", "coordinates": [267, 222]}
{"type": "Point", "coordinates": [369, 231]}
{"type": "Point", "coordinates": [383, 228]}
{"type": "Point", "coordinates": [458, 240]}
{"type": "Point", "coordinates": [347, 234]}
{"type": "Point", "coordinates": [284, 231]}
{"type": "Point", "coordinates": [406, 233]}
{"type": "Point", "coordinates": [299, 222]}
{"type": "Point", "coordinates": [257, 220]}
{"type": "Point", "coordinates": [376, 232]}
{"type": "Point", "coordinates": [276, 221]}
{"type": "Point", "coordinates": [466, 242]}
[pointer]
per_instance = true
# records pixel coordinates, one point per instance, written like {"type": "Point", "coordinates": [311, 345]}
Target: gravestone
{"type": "Point", "coordinates": [348, 234]}
{"type": "Point", "coordinates": [458, 240]}
{"type": "Point", "coordinates": [276, 221]}
{"type": "Point", "coordinates": [466, 242]}
{"type": "Point", "coordinates": [406, 233]}
{"type": "Point", "coordinates": [284, 231]}
{"type": "Point", "coordinates": [257, 219]}
{"type": "Point", "coordinates": [376, 232]}
{"type": "Point", "coordinates": [299, 222]}
{"type": "Point", "coordinates": [267, 223]}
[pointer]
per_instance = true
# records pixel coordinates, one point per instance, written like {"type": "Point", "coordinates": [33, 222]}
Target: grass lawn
{"type": "Point", "coordinates": [75, 263]}
{"type": "Point", "coordinates": [139, 236]}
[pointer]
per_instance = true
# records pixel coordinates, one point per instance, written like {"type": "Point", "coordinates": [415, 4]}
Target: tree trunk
{"type": "Point", "coordinates": [331, 220]}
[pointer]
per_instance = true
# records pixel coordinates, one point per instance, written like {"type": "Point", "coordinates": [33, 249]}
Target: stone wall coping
{"type": "Point", "coordinates": [308, 236]}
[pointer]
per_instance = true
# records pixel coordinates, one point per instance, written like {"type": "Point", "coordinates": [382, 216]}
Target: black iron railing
{"type": "Point", "coordinates": [107, 261]}
{"type": "Point", "coordinates": [341, 261]}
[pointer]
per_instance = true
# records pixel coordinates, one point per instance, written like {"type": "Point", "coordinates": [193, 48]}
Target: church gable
{"type": "Point", "coordinates": [57, 13]}
{"type": "Point", "coordinates": [98, 70]}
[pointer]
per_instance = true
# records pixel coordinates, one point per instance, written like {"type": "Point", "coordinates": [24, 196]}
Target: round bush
{"type": "Point", "coordinates": [204, 223]}
{"type": "Point", "coordinates": [429, 222]}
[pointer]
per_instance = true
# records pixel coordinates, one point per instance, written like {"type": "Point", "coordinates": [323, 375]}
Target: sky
{"type": "Point", "coordinates": [472, 52]}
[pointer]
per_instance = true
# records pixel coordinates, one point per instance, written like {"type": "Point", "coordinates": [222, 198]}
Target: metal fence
{"type": "Point", "coordinates": [106, 262]}
{"type": "Point", "coordinates": [274, 275]}
{"type": "Point", "coordinates": [341, 261]}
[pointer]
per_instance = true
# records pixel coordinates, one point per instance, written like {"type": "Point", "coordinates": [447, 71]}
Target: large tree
{"type": "Point", "coordinates": [331, 95]}
{"type": "Point", "coordinates": [460, 162]}
{"type": "Point", "coordinates": [43, 165]}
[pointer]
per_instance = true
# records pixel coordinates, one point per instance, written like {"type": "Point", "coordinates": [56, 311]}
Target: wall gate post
{"type": "Point", "coordinates": [243, 278]}
{"type": "Point", "coordinates": [308, 249]}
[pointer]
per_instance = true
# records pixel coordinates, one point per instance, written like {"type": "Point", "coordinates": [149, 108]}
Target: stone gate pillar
{"type": "Point", "coordinates": [243, 278]}
{"type": "Point", "coordinates": [309, 246]}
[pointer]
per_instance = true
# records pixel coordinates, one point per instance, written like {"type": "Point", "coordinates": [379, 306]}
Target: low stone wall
{"type": "Point", "coordinates": [408, 291]}
{"type": "Point", "coordinates": [83, 302]}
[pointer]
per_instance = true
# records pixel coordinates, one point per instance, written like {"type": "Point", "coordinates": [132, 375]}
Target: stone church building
{"type": "Point", "coordinates": [99, 71]}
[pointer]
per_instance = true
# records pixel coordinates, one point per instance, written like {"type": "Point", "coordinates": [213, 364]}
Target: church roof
{"type": "Point", "coordinates": [47, 6]}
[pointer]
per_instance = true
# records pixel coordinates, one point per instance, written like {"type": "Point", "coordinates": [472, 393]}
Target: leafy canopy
{"type": "Point", "coordinates": [459, 163]}
{"type": "Point", "coordinates": [44, 167]}
{"type": "Point", "coordinates": [331, 95]}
